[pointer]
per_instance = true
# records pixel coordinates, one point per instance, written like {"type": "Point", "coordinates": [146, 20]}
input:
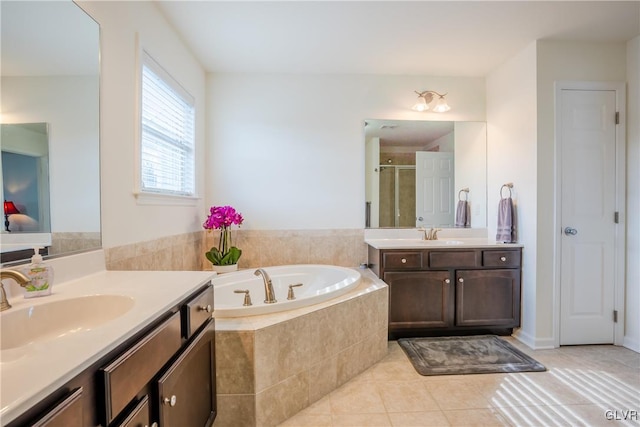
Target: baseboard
{"type": "Point", "coordinates": [533, 342]}
{"type": "Point", "coordinates": [631, 344]}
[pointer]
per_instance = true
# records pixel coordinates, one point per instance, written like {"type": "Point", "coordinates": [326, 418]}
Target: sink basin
{"type": "Point", "coordinates": [37, 323]}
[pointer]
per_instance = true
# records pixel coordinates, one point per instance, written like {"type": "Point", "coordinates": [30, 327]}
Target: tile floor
{"type": "Point", "coordinates": [583, 386]}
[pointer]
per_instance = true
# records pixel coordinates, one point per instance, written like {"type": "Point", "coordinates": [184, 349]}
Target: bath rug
{"type": "Point", "coordinates": [479, 354]}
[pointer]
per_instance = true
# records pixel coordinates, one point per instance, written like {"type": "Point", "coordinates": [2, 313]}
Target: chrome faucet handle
{"type": "Point", "coordinates": [247, 298]}
{"type": "Point", "coordinates": [290, 294]}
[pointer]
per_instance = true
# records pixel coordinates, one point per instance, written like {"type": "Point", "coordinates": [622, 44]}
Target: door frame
{"type": "Point", "coordinates": [620, 202]}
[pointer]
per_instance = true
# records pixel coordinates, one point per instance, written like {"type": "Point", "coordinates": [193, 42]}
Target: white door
{"type": "Point", "coordinates": [587, 138]}
{"type": "Point", "coordinates": [434, 189]}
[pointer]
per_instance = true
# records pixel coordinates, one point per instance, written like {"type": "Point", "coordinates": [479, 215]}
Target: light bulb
{"type": "Point", "coordinates": [441, 106]}
{"type": "Point", "coordinates": [421, 104]}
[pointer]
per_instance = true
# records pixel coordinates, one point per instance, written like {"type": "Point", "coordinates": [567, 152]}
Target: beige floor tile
{"type": "Point", "coordinates": [419, 419]}
{"type": "Point", "coordinates": [475, 417]}
{"type": "Point", "coordinates": [406, 396]}
{"type": "Point", "coordinates": [360, 397]}
{"type": "Point", "coordinates": [308, 420]}
{"type": "Point", "coordinates": [457, 394]}
{"type": "Point", "coordinates": [581, 383]}
{"type": "Point", "coordinates": [361, 420]}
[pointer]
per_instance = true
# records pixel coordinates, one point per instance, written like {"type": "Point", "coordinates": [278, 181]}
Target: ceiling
{"type": "Point", "coordinates": [437, 38]}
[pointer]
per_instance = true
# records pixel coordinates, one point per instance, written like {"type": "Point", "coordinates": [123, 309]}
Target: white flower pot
{"type": "Point", "coordinates": [224, 268]}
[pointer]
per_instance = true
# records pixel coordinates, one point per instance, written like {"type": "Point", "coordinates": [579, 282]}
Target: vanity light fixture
{"type": "Point", "coordinates": [426, 97]}
{"type": "Point", "coordinates": [9, 209]}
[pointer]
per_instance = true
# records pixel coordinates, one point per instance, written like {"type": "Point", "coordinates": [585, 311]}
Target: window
{"type": "Point", "coordinates": [167, 140]}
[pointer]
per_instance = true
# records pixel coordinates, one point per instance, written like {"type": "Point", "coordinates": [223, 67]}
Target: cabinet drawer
{"type": "Point", "coordinates": [129, 373]}
{"type": "Point", "coordinates": [448, 259]}
{"type": "Point", "coordinates": [501, 258]}
{"type": "Point", "coordinates": [402, 260]}
{"type": "Point", "coordinates": [197, 312]}
{"type": "Point", "coordinates": [67, 413]}
{"type": "Point", "coordinates": [139, 416]}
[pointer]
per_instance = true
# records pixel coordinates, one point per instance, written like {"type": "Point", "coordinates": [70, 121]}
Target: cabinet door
{"type": "Point", "coordinates": [187, 390]}
{"type": "Point", "coordinates": [419, 299]}
{"type": "Point", "coordinates": [67, 413]}
{"type": "Point", "coordinates": [488, 298]}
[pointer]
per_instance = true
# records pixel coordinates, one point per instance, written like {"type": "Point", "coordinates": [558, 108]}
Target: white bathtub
{"type": "Point", "coordinates": [319, 283]}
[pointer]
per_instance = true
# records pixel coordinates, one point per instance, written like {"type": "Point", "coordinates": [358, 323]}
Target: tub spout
{"type": "Point", "coordinates": [269, 295]}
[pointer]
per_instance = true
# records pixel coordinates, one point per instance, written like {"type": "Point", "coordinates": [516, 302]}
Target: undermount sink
{"type": "Point", "coordinates": [42, 322]}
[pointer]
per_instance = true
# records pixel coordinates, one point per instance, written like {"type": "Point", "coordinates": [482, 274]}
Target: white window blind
{"type": "Point", "coordinates": [167, 133]}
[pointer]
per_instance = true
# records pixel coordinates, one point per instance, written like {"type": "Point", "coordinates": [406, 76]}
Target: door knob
{"type": "Point", "coordinates": [570, 231]}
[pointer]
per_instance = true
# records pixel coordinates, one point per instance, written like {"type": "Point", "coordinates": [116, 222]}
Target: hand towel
{"type": "Point", "coordinates": [463, 217]}
{"type": "Point", "coordinates": [506, 231]}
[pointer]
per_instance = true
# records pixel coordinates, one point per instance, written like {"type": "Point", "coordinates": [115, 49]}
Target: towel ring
{"type": "Point", "coordinates": [466, 195]}
{"type": "Point", "coordinates": [509, 186]}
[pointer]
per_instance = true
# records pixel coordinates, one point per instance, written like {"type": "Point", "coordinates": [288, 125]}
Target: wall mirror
{"type": "Point", "coordinates": [50, 84]}
{"type": "Point", "coordinates": [417, 171]}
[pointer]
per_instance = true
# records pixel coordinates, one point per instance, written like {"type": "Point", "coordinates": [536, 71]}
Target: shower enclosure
{"type": "Point", "coordinates": [397, 196]}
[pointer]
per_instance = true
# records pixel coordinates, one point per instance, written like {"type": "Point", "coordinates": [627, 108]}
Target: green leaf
{"type": "Point", "coordinates": [215, 257]}
{"type": "Point", "coordinates": [30, 288]}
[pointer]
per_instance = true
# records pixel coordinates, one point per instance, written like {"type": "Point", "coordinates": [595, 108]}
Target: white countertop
{"type": "Point", "coordinates": [448, 243]}
{"type": "Point", "coordinates": [31, 372]}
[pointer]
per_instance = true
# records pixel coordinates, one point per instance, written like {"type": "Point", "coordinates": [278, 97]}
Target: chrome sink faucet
{"type": "Point", "coordinates": [269, 295]}
{"type": "Point", "coordinates": [20, 278]}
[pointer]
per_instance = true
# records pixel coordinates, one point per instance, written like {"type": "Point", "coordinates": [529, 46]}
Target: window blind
{"type": "Point", "coordinates": [167, 133]}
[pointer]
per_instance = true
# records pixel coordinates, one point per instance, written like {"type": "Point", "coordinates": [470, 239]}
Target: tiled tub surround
{"type": "Point", "coordinates": [177, 253]}
{"type": "Point", "coordinates": [264, 248]}
{"type": "Point", "coordinates": [260, 248]}
{"type": "Point", "coordinates": [269, 367]}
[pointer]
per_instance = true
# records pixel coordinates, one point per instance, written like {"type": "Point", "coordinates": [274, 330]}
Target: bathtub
{"type": "Point", "coordinates": [319, 283]}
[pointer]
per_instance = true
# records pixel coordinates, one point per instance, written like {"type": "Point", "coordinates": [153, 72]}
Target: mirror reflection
{"type": "Point", "coordinates": [49, 82]}
{"type": "Point", "coordinates": [417, 172]}
{"type": "Point", "coordinates": [25, 177]}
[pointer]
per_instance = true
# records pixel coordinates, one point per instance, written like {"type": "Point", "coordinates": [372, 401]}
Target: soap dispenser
{"type": "Point", "coordinates": [40, 276]}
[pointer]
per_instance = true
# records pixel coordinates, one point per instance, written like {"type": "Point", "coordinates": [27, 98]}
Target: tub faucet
{"type": "Point", "coordinates": [20, 278]}
{"type": "Point", "coordinates": [269, 295]}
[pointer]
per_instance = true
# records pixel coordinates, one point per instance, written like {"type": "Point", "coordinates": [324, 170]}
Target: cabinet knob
{"type": "Point", "coordinates": [503, 258]}
{"type": "Point", "coordinates": [461, 280]}
{"type": "Point", "coordinates": [403, 260]}
{"type": "Point", "coordinates": [447, 281]}
{"type": "Point", "coordinates": [152, 425]}
{"type": "Point", "coordinates": [170, 401]}
{"type": "Point", "coordinates": [206, 308]}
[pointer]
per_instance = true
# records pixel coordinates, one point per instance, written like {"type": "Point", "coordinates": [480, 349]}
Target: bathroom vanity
{"type": "Point", "coordinates": [449, 287]}
{"type": "Point", "coordinates": [152, 364]}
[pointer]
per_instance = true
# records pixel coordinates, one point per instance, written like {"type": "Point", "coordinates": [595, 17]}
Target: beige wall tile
{"type": "Point", "coordinates": [235, 362]}
{"type": "Point", "coordinates": [283, 400]}
{"type": "Point", "coordinates": [323, 379]}
{"type": "Point", "coordinates": [236, 410]}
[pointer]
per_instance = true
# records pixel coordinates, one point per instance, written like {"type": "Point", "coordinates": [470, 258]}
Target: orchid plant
{"type": "Point", "coordinates": [222, 218]}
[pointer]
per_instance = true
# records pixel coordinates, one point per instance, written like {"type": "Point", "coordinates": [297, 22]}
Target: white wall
{"type": "Point", "coordinates": [68, 105]}
{"type": "Point", "coordinates": [511, 157]}
{"type": "Point", "coordinates": [520, 115]}
{"type": "Point", "coordinates": [124, 221]}
{"type": "Point", "coordinates": [288, 150]}
{"type": "Point", "coordinates": [471, 139]}
{"type": "Point", "coordinates": [632, 309]}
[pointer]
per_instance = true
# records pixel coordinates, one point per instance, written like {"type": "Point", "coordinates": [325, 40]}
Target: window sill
{"type": "Point", "coordinates": [143, 198]}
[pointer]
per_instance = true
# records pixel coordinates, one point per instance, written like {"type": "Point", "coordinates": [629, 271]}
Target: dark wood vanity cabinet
{"type": "Point", "coordinates": [164, 376]}
{"type": "Point", "coordinates": [450, 291]}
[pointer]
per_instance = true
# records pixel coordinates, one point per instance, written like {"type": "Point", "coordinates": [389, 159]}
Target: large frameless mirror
{"type": "Point", "coordinates": [50, 84]}
{"type": "Point", "coordinates": [418, 171]}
